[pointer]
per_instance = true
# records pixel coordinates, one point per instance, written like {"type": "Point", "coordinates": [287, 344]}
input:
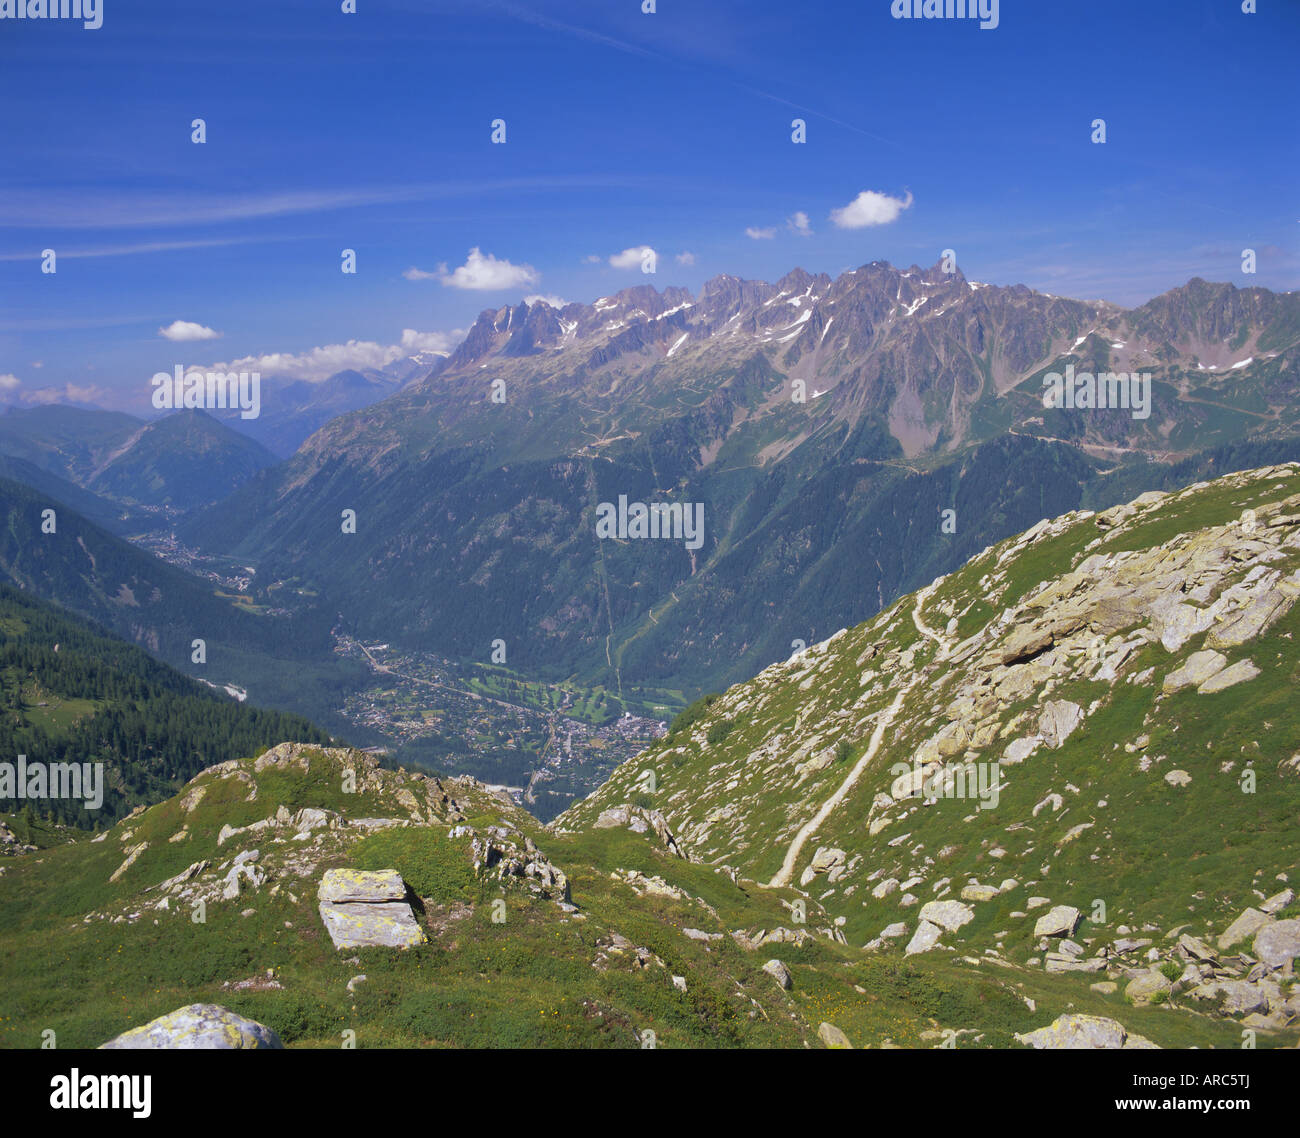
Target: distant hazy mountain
{"type": "Point", "coordinates": [183, 460]}
{"type": "Point", "coordinates": [67, 441]}
{"type": "Point", "coordinates": [477, 488]}
{"type": "Point", "coordinates": [292, 411]}
{"type": "Point", "coordinates": [110, 515]}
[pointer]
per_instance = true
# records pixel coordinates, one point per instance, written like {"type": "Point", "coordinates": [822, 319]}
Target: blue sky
{"type": "Point", "coordinates": [372, 131]}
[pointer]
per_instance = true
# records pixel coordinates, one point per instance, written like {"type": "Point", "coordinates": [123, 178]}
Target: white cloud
{"type": "Point", "coordinates": [182, 331]}
{"type": "Point", "coordinates": [686, 258]}
{"type": "Point", "coordinates": [756, 234]}
{"type": "Point", "coordinates": [317, 363]}
{"type": "Point", "coordinates": [9, 382]}
{"type": "Point", "coordinates": [486, 273]}
{"type": "Point", "coordinates": [68, 393]}
{"type": "Point", "coordinates": [634, 257]}
{"type": "Point", "coordinates": [870, 208]}
{"type": "Point", "coordinates": [553, 301]}
{"type": "Point", "coordinates": [440, 342]}
{"type": "Point", "coordinates": [320, 363]}
{"type": "Point", "coordinates": [592, 259]}
{"type": "Point", "coordinates": [798, 223]}
{"type": "Point", "coordinates": [414, 274]}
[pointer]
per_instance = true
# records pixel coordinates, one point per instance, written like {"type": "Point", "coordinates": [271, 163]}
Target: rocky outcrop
{"type": "Point", "coordinates": [641, 821]}
{"type": "Point", "coordinates": [506, 855]}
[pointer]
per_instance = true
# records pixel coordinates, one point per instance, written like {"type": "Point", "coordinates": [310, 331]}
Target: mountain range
{"type": "Point", "coordinates": [823, 425]}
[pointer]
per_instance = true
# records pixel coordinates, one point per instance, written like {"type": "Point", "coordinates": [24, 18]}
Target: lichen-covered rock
{"type": "Point", "coordinates": [1146, 987]}
{"type": "Point", "coordinates": [365, 909]}
{"type": "Point", "coordinates": [197, 1027]}
{"type": "Point", "coordinates": [1082, 1032]}
{"type": "Point", "coordinates": [833, 1037]}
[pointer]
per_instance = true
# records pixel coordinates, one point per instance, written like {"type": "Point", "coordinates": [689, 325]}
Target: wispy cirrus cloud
{"type": "Point", "coordinates": [143, 248]}
{"type": "Point", "coordinates": [62, 208]}
{"type": "Point", "coordinates": [530, 15]}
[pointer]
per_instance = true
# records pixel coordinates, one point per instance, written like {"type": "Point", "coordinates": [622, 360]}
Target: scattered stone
{"type": "Point", "coordinates": [1060, 718]}
{"type": "Point", "coordinates": [1278, 901]}
{"type": "Point", "coordinates": [833, 1037]}
{"type": "Point", "coordinates": [1278, 943]}
{"type": "Point", "coordinates": [1245, 926]}
{"type": "Point", "coordinates": [927, 936]}
{"type": "Point", "coordinates": [979, 892]}
{"type": "Point", "coordinates": [1237, 673]}
{"type": "Point", "coordinates": [1059, 921]}
{"type": "Point", "coordinates": [1239, 997]}
{"type": "Point", "coordinates": [948, 915]}
{"type": "Point", "coordinates": [1198, 668]}
{"type": "Point", "coordinates": [780, 973]}
{"type": "Point", "coordinates": [1145, 986]}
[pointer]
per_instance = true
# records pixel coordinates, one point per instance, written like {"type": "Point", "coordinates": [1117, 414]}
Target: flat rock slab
{"type": "Point", "coordinates": [197, 1027]}
{"type": "Point", "coordinates": [339, 885]}
{"type": "Point", "coordinates": [366, 925]}
{"type": "Point", "coordinates": [367, 909]}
